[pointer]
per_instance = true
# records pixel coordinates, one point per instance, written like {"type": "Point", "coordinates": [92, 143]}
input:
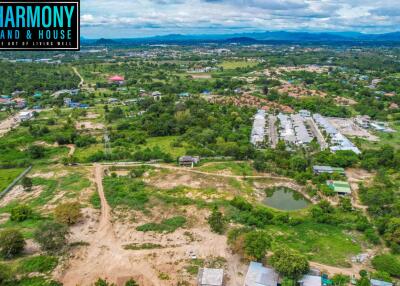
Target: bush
{"type": "Point", "coordinates": [387, 263]}
{"type": "Point", "coordinates": [20, 213]}
{"type": "Point", "coordinates": [5, 273]}
{"type": "Point", "coordinates": [51, 236]}
{"type": "Point", "coordinates": [68, 213]}
{"type": "Point", "coordinates": [216, 221]}
{"type": "Point", "coordinates": [167, 225]}
{"type": "Point", "coordinates": [41, 263]}
{"type": "Point", "coordinates": [12, 243]}
{"type": "Point", "coordinates": [26, 183]}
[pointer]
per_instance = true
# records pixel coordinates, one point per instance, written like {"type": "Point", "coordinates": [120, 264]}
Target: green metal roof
{"type": "Point", "coordinates": [339, 186]}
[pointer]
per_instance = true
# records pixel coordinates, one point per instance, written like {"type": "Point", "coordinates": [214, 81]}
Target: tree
{"type": "Point", "coordinates": [51, 236]}
{"type": "Point", "coordinates": [289, 263]}
{"type": "Point", "coordinates": [12, 243]}
{"type": "Point", "coordinates": [340, 280]}
{"type": "Point", "coordinates": [68, 213]}
{"type": "Point", "coordinates": [26, 183]}
{"type": "Point", "coordinates": [216, 221]}
{"type": "Point", "coordinates": [256, 244]}
{"type": "Point", "coordinates": [20, 213]}
{"type": "Point", "coordinates": [36, 151]}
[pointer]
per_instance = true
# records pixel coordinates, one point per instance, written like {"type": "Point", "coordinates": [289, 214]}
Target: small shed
{"type": "Point", "coordinates": [189, 160]}
{"type": "Point", "coordinates": [210, 277]}
{"type": "Point", "coordinates": [258, 275]}
{"type": "Point", "coordinates": [317, 169]}
{"type": "Point", "coordinates": [339, 187]}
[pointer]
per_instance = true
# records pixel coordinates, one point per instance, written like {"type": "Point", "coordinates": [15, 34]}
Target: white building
{"type": "Point", "coordinates": [25, 115]}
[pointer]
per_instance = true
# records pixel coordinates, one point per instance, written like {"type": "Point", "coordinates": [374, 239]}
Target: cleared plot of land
{"type": "Point", "coordinates": [348, 127]}
{"type": "Point", "coordinates": [237, 64]}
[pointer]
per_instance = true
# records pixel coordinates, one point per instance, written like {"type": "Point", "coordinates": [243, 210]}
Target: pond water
{"type": "Point", "coordinates": [285, 199]}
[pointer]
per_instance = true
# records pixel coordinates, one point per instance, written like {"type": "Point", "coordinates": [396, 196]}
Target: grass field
{"type": "Point", "coordinates": [392, 139]}
{"type": "Point", "coordinates": [236, 168]}
{"type": "Point", "coordinates": [320, 242]}
{"type": "Point", "coordinates": [7, 176]}
{"type": "Point", "coordinates": [237, 64]}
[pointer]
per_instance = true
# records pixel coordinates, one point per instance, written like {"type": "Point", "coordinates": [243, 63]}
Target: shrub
{"type": "Point", "coordinates": [167, 225]}
{"type": "Point", "coordinates": [51, 236]}
{"type": "Point", "coordinates": [26, 183]}
{"type": "Point", "coordinates": [12, 243]}
{"type": "Point", "coordinates": [20, 213]}
{"type": "Point", "coordinates": [387, 263]}
{"type": "Point", "coordinates": [68, 213]}
{"type": "Point", "coordinates": [216, 221]}
{"type": "Point", "coordinates": [5, 273]}
{"type": "Point", "coordinates": [41, 263]}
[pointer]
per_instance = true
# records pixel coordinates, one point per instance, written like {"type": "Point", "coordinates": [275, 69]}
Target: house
{"type": "Point", "coordinates": [210, 277]}
{"type": "Point", "coordinates": [116, 79]}
{"type": "Point", "coordinates": [184, 94]}
{"type": "Point", "coordinates": [25, 115]}
{"type": "Point", "coordinates": [156, 95]}
{"type": "Point", "coordinates": [258, 275]}
{"type": "Point", "coordinates": [340, 187]}
{"type": "Point", "coordinates": [189, 160]}
{"type": "Point", "coordinates": [304, 113]}
{"type": "Point", "coordinates": [327, 169]}
{"type": "Point", "coordinates": [310, 280]}
{"type": "Point", "coordinates": [37, 94]}
{"type": "Point", "coordinates": [375, 282]}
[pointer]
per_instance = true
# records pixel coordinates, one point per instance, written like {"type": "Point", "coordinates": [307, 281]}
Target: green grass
{"type": "Point", "coordinates": [320, 242]}
{"type": "Point", "coordinates": [7, 176]}
{"type": "Point", "coordinates": [237, 64]}
{"type": "Point", "coordinates": [137, 246]}
{"type": "Point", "coordinates": [167, 225]}
{"type": "Point", "coordinates": [126, 192]}
{"type": "Point", "coordinates": [239, 169]}
{"type": "Point", "coordinates": [165, 144]}
{"type": "Point", "coordinates": [392, 139]}
{"type": "Point", "coordinates": [41, 263]}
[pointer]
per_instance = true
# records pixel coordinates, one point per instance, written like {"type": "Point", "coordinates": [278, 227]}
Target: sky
{"type": "Point", "coordinates": [140, 18]}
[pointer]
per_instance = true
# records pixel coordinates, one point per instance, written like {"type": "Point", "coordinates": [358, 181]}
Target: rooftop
{"type": "Point", "coordinates": [258, 275]}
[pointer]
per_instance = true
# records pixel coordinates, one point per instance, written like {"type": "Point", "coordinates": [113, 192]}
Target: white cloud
{"type": "Point", "coordinates": [125, 18]}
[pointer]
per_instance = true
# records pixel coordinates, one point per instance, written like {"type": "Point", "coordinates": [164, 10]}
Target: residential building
{"type": "Point", "coordinates": [258, 275]}
{"type": "Point", "coordinates": [25, 115]}
{"type": "Point", "coordinates": [258, 131]}
{"type": "Point", "coordinates": [327, 169]}
{"type": "Point", "coordinates": [340, 187]}
{"type": "Point", "coordinates": [189, 161]}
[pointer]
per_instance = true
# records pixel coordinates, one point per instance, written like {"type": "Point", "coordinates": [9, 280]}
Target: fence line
{"type": "Point", "coordinates": [10, 186]}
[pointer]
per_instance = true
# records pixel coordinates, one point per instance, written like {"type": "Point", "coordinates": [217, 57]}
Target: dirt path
{"type": "Point", "coordinates": [71, 149]}
{"type": "Point", "coordinates": [8, 123]}
{"type": "Point", "coordinates": [79, 75]}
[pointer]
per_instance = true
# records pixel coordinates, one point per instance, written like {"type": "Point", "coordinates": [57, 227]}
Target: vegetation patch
{"type": "Point", "coordinates": [167, 225]}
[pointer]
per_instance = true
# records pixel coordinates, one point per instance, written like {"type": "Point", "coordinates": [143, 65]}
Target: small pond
{"type": "Point", "coordinates": [285, 199]}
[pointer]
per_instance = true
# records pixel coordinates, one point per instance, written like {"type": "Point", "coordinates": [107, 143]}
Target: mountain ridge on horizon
{"type": "Point", "coordinates": [285, 36]}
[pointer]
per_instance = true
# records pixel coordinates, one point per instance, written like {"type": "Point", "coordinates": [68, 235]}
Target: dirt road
{"type": "Point", "coordinates": [9, 123]}
{"type": "Point", "coordinates": [79, 75]}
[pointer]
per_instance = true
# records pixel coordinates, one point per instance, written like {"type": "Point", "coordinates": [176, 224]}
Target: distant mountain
{"type": "Point", "coordinates": [254, 38]}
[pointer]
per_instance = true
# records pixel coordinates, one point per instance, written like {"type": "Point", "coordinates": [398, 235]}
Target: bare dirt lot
{"type": "Point", "coordinates": [348, 127]}
{"type": "Point", "coordinates": [105, 255]}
